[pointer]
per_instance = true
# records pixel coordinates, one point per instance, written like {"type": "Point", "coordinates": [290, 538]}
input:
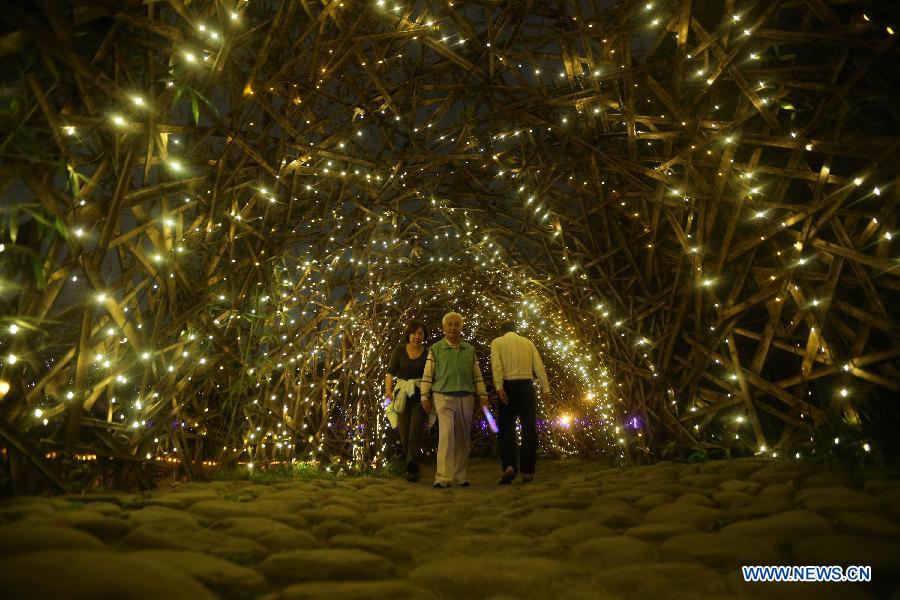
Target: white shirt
{"type": "Point", "coordinates": [515, 357]}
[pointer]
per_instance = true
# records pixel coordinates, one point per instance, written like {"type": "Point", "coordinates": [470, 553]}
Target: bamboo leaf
{"type": "Point", "coordinates": [195, 108]}
{"type": "Point", "coordinates": [9, 284]}
{"type": "Point", "coordinates": [51, 66]}
{"type": "Point", "coordinates": [13, 225]}
{"type": "Point", "coordinates": [73, 182]}
{"type": "Point", "coordinates": [38, 215]}
{"type": "Point", "coordinates": [207, 102]}
{"type": "Point", "coordinates": [12, 42]}
{"type": "Point", "coordinates": [29, 323]}
{"type": "Point", "coordinates": [37, 271]}
{"type": "Point", "coordinates": [19, 251]}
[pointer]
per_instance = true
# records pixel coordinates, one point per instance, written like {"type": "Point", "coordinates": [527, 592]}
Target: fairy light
{"type": "Point", "coordinates": [381, 274]}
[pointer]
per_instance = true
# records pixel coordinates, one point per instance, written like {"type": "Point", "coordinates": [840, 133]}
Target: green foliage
{"type": "Point", "coordinates": [27, 226]}
{"type": "Point", "coordinates": [195, 98]}
{"type": "Point", "coordinates": [855, 446]}
{"type": "Point", "coordinates": [195, 109]}
{"type": "Point", "coordinates": [28, 323]}
{"type": "Point", "coordinates": [669, 450]}
{"type": "Point", "coordinates": [858, 439]}
{"type": "Point", "coordinates": [698, 455]}
{"type": "Point", "coordinates": [75, 181]}
{"type": "Point", "coordinates": [307, 470]}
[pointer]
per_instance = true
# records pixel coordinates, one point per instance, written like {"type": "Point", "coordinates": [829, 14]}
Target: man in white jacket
{"type": "Point", "coordinates": [515, 362]}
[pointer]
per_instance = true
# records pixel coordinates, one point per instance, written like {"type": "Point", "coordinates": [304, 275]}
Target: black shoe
{"type": "Point", "coordinates": [506, 479]}
{"type": "Point", "coordinates": [463, 484]}
{"type": "Point", "coordinates": [412, 476]}
{"type": "Point", "coordinates": [439, 485]}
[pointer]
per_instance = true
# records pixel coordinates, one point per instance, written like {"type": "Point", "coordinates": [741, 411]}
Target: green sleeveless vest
{"type": "Point", "coordinates": [453, 368]}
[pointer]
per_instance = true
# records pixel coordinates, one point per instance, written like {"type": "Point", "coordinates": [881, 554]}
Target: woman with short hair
{"type": "Point", "coordinates": [402, 385]}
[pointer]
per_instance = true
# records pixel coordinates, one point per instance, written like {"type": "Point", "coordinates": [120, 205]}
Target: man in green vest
{"type": "Point", "coordinates": [452, 376]}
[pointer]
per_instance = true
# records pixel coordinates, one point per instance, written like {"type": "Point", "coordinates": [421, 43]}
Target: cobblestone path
{"type": "Point", "coordinates": [580, 530]}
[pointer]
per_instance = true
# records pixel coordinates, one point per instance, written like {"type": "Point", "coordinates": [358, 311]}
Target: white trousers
{"type": "Point", "coordinates": [455, 426]}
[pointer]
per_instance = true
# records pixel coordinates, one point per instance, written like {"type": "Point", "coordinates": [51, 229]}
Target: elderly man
{"type": "Point", "coordinates": [514, 362]}
{"type": "Point", "coordinates": [452, 376]}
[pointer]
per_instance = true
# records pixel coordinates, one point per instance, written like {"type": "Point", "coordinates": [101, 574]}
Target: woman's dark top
{"type": "Point", "coordinates": [404, 367]}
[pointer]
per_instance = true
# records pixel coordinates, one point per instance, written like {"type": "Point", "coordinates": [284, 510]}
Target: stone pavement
{"type": "Point", "coordinates": [580, 531]}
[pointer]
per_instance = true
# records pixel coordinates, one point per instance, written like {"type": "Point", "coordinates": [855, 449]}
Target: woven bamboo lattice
{"type": "Point", "coordinates": [218, 218]}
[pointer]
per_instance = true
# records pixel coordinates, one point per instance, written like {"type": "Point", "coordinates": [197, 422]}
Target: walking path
{"type": "Point", "coordinates": [579, 531]}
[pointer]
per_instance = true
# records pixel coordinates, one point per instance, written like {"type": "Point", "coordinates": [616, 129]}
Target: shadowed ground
{"type": "Point", "coordinates": [580, 530]}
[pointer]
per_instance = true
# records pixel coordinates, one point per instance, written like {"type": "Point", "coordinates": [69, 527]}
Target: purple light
{"type": "Point", "coordinates": [633, 423]}
{"type": "Point", "coordinates": [490, 419]}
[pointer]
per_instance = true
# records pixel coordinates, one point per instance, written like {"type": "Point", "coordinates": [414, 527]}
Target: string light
{"type": "Point", "coordinates": [485, 276]}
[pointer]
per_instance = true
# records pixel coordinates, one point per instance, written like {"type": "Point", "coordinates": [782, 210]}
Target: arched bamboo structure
{"type": "Point", "coordinates": [216, 216]}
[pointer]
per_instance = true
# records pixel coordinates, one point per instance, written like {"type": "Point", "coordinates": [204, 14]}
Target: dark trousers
{"type": "Point", "coordinates": [522, 405]}
{"type": "Point", "coordinates": [411, 423]}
